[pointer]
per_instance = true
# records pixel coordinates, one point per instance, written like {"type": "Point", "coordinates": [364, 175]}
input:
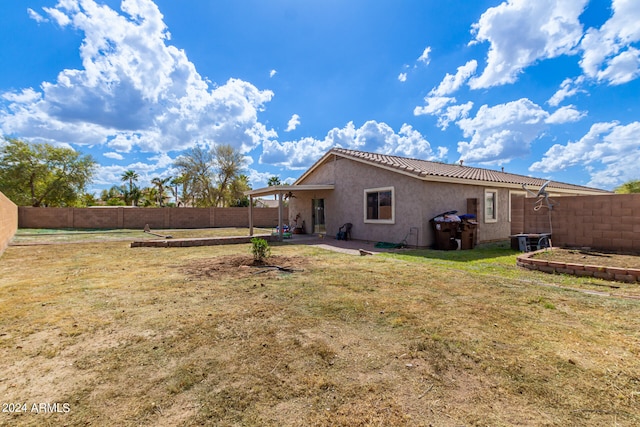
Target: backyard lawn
{"type": "Point", "coordinates": [98, 333]}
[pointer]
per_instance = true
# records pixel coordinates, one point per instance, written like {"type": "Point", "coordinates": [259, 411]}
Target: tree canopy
{"type": "Point", "coordinates": [212, 177]}
{"type": "Point", "coordinates": [632, 186]}
{"type": "Point", "coordinates": [43, 174]}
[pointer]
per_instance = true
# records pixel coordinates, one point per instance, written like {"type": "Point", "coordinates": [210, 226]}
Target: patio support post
{"type": "Point", "coordinates": [280, 230]}
{"type": "Point", "coordinates": [250, 215]}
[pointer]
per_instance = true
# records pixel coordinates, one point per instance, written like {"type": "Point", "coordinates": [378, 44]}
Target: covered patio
{"type": "Point", "coordinates": [281, 191]}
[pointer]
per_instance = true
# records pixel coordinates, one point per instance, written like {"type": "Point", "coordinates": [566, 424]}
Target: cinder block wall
{"type": "Point", "coordinates": [134, 218]}
{"type": "Point", "coordinates": [606, 222]}
{"type": "Point", "coordinates": [8, 221]}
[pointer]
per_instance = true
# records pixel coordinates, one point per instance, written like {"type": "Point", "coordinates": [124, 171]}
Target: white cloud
{"type": "Point", "coordinates": [114, 155]}
{"type": "Point", "coordinates": [623, 68]}
{"type": "Point", "coordinates": [36, 16]}
{"type": "Point", "coordinates": [568, 88]}
{"type": "Point", "coordinates": [402, 77]}
{"type": "Point", "coordinates": [272, 73]}
{"type": "Point", "coordinates": [293, 123]}
{"type": "Point", "coordinates": [134, 90]}
{"type": "Point", "coordinates": [452, 83]}
{"type": "Point", "coordinates": [607, 52]}
{"type": "Point", "coordinates": [610, 144]}
{"type": "Point", "coordinates": [453, 113]}
{"type": "Point", "coordinates": [435, 104]}
{"type": "Point", "coordinates": [566, 114]}
{"type": "Point", "coordinates": [502, 132]}
{"type": "Point", "coordinates": [521, 32]}
{"type": "Point", "coordinates": [371, 136]}
{"type": "Point", "coordinates": [424, 58]}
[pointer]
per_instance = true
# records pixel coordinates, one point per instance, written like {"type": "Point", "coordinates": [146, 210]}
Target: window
{"type": "Point", "coordinates": [490, 205]}
{"type": "Point", "coordinates": [379, 206]}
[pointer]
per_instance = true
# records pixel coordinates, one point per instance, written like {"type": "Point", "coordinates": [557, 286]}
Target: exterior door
{"type": "Point", "coordinates": [318, 216]}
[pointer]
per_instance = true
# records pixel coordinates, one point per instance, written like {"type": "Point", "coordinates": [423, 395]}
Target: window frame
{"type": "Point", "coordinates": [494, 217]}
{"type": "Point", "coordinates": [368, 191]}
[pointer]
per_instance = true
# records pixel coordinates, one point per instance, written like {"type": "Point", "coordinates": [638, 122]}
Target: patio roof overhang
{"type": "Point", "coordinates": [284, 189]}
{"type": "Point", "coordinates": [280, 191]}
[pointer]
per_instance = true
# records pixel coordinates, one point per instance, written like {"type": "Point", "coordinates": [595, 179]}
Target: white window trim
{"type": "Point", "coordinates": [495, 205]}
{"type": "Point", "coordinates": [393, 206]}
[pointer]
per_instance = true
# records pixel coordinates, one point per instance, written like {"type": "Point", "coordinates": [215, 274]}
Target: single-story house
{"type": "Point", "coordinates": [390, 199]}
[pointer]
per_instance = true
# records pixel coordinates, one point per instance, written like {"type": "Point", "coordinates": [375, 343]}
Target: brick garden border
{"type": "Point", "coordinates": [628, 275]}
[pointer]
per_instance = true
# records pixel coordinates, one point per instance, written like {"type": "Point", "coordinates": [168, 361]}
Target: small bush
{"type": "Point", "coordinates": [260, 249]}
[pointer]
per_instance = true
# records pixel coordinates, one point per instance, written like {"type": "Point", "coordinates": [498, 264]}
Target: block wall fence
{"type": "Point", "coordinates": [8, 221]}
{"type": "Point", "coordinates": [133, 218]}
{"type": "Point", "coordinates": [607, 222]}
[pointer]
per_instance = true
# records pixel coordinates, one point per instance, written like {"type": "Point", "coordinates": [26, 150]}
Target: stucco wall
{"type": "Point", "coordinates": [158, 218]}
{"type": "Point", "coordinates": [416, 202]}
{"type": "Point", "coordinates": [8, 221]}
{"type": "Point", "coordinates": [607, 222]}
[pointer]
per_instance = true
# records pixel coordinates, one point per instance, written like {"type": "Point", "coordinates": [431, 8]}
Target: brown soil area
{"type": "Point", "coordinates": [590, 258]}
{"type": "Point", "coordinates": [244, 266]}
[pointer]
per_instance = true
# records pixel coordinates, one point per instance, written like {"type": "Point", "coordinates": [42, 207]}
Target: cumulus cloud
{"type": "Point", "coordinates": [424, 58]}
{"type": "Point", "coordinates": [453, 113]}
{"type": "Point", "coordinates": [134, 90]}
{"type": "Point", "coordinates": [293, 123]}
{"type": "Point", "coordinates": [609, 144]}
{"type": "Point", "coordinates": [566, 114]}
{"type": "Point", "coordinates": [502, 132]}
{"type": "Point", "coordinates": [36, 16]}
{"type": "Point", "coordinates": [272, 73]}
{"type": "Point", "coordinates": [453, 82]}
{"type": "Point", "coordinates": [568, 88]}
{"type": "Point", "coordinates": [114, 155]}
{"type": "Point", "coordinates": [607, 52]}
{"type": "Point", "coordinates": [402, 77]}
{"type": "Point", "coordinates": [371, 136]}
{"type": "Point", "coordinates": [522, 32]}
{"type": "Point", "coordinates": [434, 105]}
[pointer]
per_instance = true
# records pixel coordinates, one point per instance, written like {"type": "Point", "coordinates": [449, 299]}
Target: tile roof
{"type": "Point", "coordinates": [424, 169]}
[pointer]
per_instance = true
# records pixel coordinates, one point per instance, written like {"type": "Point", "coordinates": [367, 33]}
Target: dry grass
{"type": "Point", "coordinates": [190, 336]}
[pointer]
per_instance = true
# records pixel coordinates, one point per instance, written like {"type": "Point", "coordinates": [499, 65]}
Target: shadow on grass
{"type": "Point", "coordinates": [480, 252]}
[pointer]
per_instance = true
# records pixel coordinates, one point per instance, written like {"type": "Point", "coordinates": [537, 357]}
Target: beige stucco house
{"type": "Point", "coordinates": [389, 198]}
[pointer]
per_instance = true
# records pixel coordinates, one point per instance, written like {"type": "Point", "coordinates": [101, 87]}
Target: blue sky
{"type": "Point", "coordinates": [547, 88]}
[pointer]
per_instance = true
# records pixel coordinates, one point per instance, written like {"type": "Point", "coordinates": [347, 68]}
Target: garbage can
{"type": "Point", "coordinates": [445, 234]}
{"type": "Point", "coordinates": [468, 231]}
{"type": "Point", "coordinates": [446, 231]}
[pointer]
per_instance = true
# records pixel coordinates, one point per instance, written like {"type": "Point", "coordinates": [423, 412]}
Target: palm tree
{"type": "Point", "coordinates": [160, 183]}
{"type": "Point", "coordinates": [273, 181]}
{"type": "Point", "coordinates": [132, 177]}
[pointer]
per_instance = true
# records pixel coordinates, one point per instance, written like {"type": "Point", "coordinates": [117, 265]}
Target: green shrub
{"type": "Point", "coordinates": [260, 249]}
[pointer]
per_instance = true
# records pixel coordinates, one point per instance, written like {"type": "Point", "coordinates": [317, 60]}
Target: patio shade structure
{"type": "Point", "coordinates": [280, 191]}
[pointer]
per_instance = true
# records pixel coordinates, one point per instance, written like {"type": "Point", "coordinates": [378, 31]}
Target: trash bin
{"type": "Point", "coordinates": [446, 231]}
{"type": "Point", "coordinates": [468, 232]}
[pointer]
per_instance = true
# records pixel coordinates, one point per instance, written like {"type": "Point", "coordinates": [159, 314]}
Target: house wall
{"type": "Point", "coordinates": [416, 202]}
{"type": "Point", "coordinates": [8, 221]}
{"type": "Point", "coordinates": [606, 222]}
{"type": "Point", "coordinates": [133, 218]}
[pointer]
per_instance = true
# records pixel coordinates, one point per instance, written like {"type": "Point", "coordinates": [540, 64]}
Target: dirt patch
{"type": "Point", "coordinates": [244, 266]}
{"type": "Point", "coordinates": [605, 259]}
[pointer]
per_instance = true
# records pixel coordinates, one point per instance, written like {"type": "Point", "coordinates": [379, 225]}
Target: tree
{"type": "Point", "coordinates": [130, 176]}
{"type": "Point", "coordinates": [273, 181]}
{"type": "Point", "coordinates": [160, 185]}
{"type": "Point", "coordinates": [632, 186]}
{"type": "Point", "coordinates": [236, 191]}
{"type": "Point", "coordinates": [209, 175]}
{"type": "Point", "coordinates": [196, 169]}
{"type": "Point", "coordinates": [42, 174]}
{"type": "Point", "coordinates": [228, 164]}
